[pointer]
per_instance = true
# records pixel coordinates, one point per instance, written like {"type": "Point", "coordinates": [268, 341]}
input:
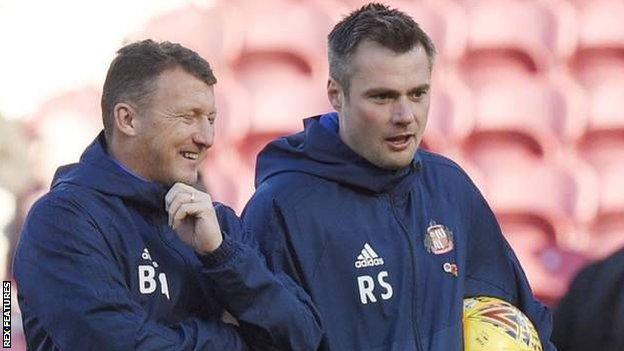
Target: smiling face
{"type": "Point", "coordinates": [176, 130]}
{"type": "Point", "coordinates": [384, 113]}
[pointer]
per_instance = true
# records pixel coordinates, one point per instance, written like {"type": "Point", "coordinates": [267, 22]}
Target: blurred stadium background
{"type": "Point", "coordinates": [528, 96]}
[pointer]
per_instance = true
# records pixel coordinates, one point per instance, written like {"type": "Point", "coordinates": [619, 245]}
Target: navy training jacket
{"type": "Point", "coordinates": [387, 256]}
{"type": "Point", "coordinates": [98, 268]}
{"type": "Point", "coordinates": [591, 315]}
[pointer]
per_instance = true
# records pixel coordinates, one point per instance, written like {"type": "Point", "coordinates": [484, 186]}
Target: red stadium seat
{"type": "Point", "coordinates": [287, 28]}
{"type": "Point", "coordinates": [214, 31]}
{"type": "Point", "coordinates": [528, 112]}
{"type": "Point", "coordinates": [281, 94]}
{"type": "Point", "coordinates": [532, 33]}
{"type": "Point", "coordinates": [509, 184]}
{"type": "Point", "coordinates": [548, 267]}
{"type": "Point", "coordinates": [605, 152]}
{"type": "Point", "coordinates": [233, 111]}
{"type": "Point", "coordinates": [283, 65]}
{"type": "Point", "coordinates": [451, 114]}
{"type": "Point", "coordinates": [489, 149]}
{"type": "Point", "coordinates": [543, 209]}
{"type": "Point", "coordinates": [600, 24]}
{"type": "Point", "coordinates": [607, 105]}
{"type": "Point", "coordinates": [563, 195]}
{"type": "Point", "coordinates": [602, 75]}
{"type": "Point", "coordinates": [606, 236]}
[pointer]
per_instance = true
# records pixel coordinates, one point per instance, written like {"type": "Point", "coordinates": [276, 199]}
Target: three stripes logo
{"type": "Point", "coordinates": [368, 258]}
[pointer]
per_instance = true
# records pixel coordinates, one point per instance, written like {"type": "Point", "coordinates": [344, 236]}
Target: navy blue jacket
{"type": "Point", "coordinates": [591, 315]}
{"type": "Point", "coordinates": [387, 256]}
{"type": "Point", "coordinates": [98, 268]}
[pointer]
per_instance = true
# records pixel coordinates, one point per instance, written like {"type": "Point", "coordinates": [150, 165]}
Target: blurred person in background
{"type": "Point", "coordinates": [15, 179]}
{"type": "Point", "coordinates": [124, 253]}
{"type": "Point", "coordinates": [387, 239]}
{"type": "Point", "coordinates": [591, 315]}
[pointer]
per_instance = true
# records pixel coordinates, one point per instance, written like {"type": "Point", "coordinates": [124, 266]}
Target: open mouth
{"type": "Point", "coordinates": [400, 142]}
{"type": "Point", "coordinates": [189, 155]}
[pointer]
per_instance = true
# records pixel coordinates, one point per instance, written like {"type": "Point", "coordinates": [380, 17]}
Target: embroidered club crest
{"type": "Point", "coordinates": [438, 239]}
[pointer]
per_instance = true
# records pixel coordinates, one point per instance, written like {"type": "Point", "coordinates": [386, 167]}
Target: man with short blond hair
{"type": "Point", "coordinates": [124, 253]}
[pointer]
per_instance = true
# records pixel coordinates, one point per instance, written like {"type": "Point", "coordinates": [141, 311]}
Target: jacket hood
{"type": "Point", "coordinates": [319, 151]}
{"type": "Point", "coordinates": [97, 170]}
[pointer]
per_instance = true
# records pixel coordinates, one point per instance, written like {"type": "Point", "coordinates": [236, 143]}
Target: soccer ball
{"type": "Point", "coordinates": [491, 324]}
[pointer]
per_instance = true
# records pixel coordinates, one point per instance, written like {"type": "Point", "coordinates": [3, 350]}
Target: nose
{"type": "Point", "coordinates": [204, 135]}
{"type": "Point", "coordinates": [402, 112]}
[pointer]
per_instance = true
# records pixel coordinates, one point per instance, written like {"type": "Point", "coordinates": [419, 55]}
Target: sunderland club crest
{"type": "Point", "coordinates": [438, 239]}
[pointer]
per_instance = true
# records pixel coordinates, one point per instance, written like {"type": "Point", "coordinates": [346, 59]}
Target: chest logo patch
{"type": "Point", "coordinates": [438, 239]}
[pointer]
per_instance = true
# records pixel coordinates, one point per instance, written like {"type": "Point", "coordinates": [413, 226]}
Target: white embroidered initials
{"type": "Point", "coordinates": [147, 275]}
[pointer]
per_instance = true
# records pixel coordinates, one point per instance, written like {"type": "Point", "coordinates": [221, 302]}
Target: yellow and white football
{"type": "Point", "coordinates": [491, 324]}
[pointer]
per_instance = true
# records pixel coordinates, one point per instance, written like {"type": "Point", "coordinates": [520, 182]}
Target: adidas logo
{"type": "Point", "coordinates": [368, 258]}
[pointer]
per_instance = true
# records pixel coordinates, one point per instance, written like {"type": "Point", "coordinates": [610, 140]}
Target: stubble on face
{"type": "Point", "coordinates": [384, 116]}
{"type": "Point", "coordinates": [177, 129]}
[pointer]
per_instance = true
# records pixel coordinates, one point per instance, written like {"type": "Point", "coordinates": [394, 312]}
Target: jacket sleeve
{"type": "Point", "coordinates": [263, 219]}
{"type": "Point", "coordinates": [591, 315]}
{"type": "Point", "coordinates": [571, 330]}
{"type": "Point", "coordinates": [494, 270]}
{"type": "Point", "coordinates": [69, 282]}
{"type": "Point", "coordinates": [272, 310]}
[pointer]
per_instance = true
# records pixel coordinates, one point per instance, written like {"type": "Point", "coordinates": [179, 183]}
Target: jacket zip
{"type": "Point", "coordinates": [413, 259]}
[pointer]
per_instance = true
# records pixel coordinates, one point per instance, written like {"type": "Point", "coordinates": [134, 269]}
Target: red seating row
{"type": "Point", "coordinates": [534, 33]}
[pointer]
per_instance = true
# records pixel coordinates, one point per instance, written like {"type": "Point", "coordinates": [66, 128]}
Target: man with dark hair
{"type": "Point", "coordinates": [387, 239]}
{"type": "Point", "coordinates": [124, 253]}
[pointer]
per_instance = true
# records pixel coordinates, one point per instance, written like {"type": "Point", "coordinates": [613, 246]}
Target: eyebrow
{"type": "Point", "coordinates": [392, 92]}
{"type": "Point", "coordinates": [195, 111]}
